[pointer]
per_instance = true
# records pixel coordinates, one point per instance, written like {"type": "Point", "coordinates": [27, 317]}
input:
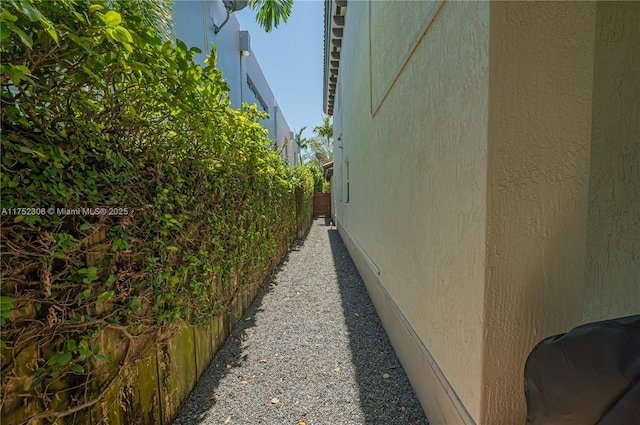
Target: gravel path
{"type": "Point", "coordinates": [309, 350]}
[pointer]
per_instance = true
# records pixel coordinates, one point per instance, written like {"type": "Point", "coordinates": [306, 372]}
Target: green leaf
{"type": "Point", "coordinates": [7, 303]}
{"type": "Point", "coordinates": [77, 368]}
{"type": "Point", "coordinates": [40, 155]}
{"type": "Point", "coordinates": [92, 271]}
{"type": "Point", "coordinates": [6, 16]}
{"type": "Point", "coordinates": [4, 32]}
{"type": "Point", "coordinates": [111, 18]}
{"type": "Point", "coordinates": [50, 29]}
{"type": "Point", "coordinates": [105, 296]}
{"type": "Point", "coordinates": [79, 17]}
{"type": "Point", "coordinates": [20, 68]}
{"type": "Point", "coordinates": [30, 11]}
{"type": "Point", "coordinates": [180, 45]}
{"type": "Point", "coordinates": [60, 358]}
{"type": "Point", "coordinates": [121, 34]}
{"type": "Point", "coordinates": [102, 357]}
{"type": "Point", "coordinates": [84, 351]}
{"type": "Point", "coordinates": [18, 73]}
{"type": "Point", "coordinates": [41, 375]}
{"type": "Point", "coordinates": [26, 39]}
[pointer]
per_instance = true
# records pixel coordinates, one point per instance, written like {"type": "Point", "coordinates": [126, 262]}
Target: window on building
{"type": "Point", "coordinates": [341, 171]}
{"type": "Point", "coordinates": [256, 93]}
{"type": "Point", "coordinates": [346, 183]}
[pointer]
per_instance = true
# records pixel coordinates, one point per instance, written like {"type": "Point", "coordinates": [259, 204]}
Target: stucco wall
{"type": "Point", "coordinates": [417, 169]}
{"type": "Point", "coordinates": [613, 242]}
{"type": "Point", "coordinates": [538, 175]}
{"type": "Point", "coordinates": [494, 190]}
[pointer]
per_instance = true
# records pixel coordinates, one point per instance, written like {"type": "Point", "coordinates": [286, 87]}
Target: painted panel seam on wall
{"type": "Point", "coordinates": [404, 63]}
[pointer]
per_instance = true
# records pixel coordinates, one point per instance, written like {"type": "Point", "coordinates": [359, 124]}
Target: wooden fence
{"type": "Point", "coordinates": [321, 204]}
{"type": "Point", "coordinates": [151, 385]}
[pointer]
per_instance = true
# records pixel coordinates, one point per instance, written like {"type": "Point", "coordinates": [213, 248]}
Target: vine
{"type": "Point", "coordinates": [133, 197]}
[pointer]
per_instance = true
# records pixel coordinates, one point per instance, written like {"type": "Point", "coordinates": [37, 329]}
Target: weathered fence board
{"type": "Point", "coordinates": [321, 204]}
{"type": "Point", "coordinates": [149, 387]}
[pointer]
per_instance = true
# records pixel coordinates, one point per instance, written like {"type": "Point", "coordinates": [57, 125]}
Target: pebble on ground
{"type": "Point", "coordinates": [310, 350]}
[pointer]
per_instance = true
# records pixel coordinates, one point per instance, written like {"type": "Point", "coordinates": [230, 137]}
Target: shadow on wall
{"type": "Point", "coordinates": [386, 396]}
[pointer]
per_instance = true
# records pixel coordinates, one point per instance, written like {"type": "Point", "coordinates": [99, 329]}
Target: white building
{"type": "Point", "coordinates": [195, 24]}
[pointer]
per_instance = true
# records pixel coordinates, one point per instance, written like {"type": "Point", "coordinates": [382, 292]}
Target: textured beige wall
{"type": "Point", "coordinates": [388, 53]}
{"type": "Point", "coordinates": [613, 252]}
{"type": "Point", "coordinates": [495, 182]}
{"type": "Point", "coordinates": [538, 174]}
{"type": "Point", "coordinates": [418, 170]}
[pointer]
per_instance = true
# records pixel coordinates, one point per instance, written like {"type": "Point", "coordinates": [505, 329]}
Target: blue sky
{"type": "Point", "coordinates": [291, 57]}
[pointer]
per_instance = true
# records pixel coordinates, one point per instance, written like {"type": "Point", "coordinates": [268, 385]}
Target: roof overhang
{"type": "Point", "coordinates": [327, 170]}
{"type": "Point", "coordinates": [334, 19]}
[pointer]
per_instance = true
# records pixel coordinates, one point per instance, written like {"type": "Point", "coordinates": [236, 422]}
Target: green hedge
{"type": "Point", "coordinates": [304, 183]}
{"type": "Point", "coordinates": [108, 129]}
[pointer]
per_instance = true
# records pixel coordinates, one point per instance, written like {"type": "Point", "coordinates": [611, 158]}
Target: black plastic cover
{"type": "Point", "coordinates": [588, 376]}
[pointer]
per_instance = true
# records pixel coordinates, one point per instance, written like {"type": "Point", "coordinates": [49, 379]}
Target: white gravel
{"type": "Point", "coordinates": [309, 350]}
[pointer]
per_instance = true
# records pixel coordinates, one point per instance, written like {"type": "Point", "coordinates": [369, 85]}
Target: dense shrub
{"type": "Point", "coordinates": [304, 184]}
{"type": "Point", "coordinates": [320, 185]}
{"type": "Point", "coordinates": [112, 135]}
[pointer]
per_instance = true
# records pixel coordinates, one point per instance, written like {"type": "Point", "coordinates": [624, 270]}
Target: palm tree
{"type": "Point", "coordinates": [301, 141]}
{"type": "Point", "coordinates": [271, 12]}
{"type": "Point", "coordinates": [157, 14]}
{"type": "Point", "coordinates": [325, 132]}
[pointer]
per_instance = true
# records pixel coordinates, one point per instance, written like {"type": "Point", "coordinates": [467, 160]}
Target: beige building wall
{"type": "Point", "coordinates": [413, 132]}
{"type": "Point", "coordinates": [613, 239]}
{"type": "Point", "coordinates": [563, 228]}
{"type": "Point", "coordinates": [541, 74]}
{"type": "Point", "coordinates": [493, 183]}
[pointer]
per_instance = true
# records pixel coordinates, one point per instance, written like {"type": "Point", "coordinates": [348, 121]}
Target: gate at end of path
{"type": "Point", "coordinates": [321, 204]}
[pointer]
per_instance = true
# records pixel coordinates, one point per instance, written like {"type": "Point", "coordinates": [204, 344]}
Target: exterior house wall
{"type": "Point", "coordinates": [539, 146]}
{"type": "Point", "coordinates": [417, 170]}
{"type": "Point", "coordinates": [613, 238]}
{"type": "Point", "coordinates": [493, 185]}
{"type": "Point", "coordinates": [247, 83]}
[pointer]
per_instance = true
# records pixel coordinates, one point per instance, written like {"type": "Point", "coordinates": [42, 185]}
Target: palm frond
{"type": "Point", "coordinates": [271, 12]}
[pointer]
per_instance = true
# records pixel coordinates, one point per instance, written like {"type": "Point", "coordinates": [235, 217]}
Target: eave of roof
{"type": "Point", "coordinates": [334, 20]}
{"type": "Point", "coordinates": [327, 170]}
